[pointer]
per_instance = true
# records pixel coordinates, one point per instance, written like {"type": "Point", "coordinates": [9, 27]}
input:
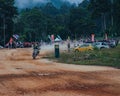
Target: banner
{"type": "Point", "coordinates": [52, 37]}
{"type": "Point", "coordinates": [49, 37]}
{"type": "Point", "coordinates": [93, 37]}
{"type": "Point", "coordinates": [59, 37]}
{"type": "Point", "coordinates": [106, 37]}
{"type": "Point", "coordinates": [16, 36]}
{"type": "Point", "coordinates": [11, 40]}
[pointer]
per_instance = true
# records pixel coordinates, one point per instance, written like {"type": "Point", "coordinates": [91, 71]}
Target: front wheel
{"type": "Point", "coordinates": [33, 55]}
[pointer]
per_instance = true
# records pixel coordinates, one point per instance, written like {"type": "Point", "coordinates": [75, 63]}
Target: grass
{"type": "Point", "coordinates": [104, 57]}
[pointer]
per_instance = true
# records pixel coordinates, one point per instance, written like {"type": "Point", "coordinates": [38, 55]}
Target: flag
{"type": "Point", "coordinates": [49, 37]}
{"type": "Point", "coordinates": [59, 37]}
{"type": "Point", "coordinates": [11, 40]}
{"type": "Point", "coordinates": [92, 37]}
{"type": "Point", "coordinates": [52, 37]}
{"type": "Point", "coordinates": [16, 36]}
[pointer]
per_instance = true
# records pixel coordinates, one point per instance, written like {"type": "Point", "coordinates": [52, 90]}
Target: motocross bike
{"type": "Point", "coordinates": [35, 53]}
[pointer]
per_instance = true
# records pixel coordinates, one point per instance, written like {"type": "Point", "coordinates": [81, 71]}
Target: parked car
{"type": "Point", "coordinates": [113, 43]}
{"type": "Point", "coordinates": [1, 47]}
{"type": "Point", "coordinates": [84, 47]}
{"type": "Point", "coordinates": [19, 45]}
{"type": "Point", "coordinates": [101, 45]}
{"type": "Point", "coordinates": [27, 44]}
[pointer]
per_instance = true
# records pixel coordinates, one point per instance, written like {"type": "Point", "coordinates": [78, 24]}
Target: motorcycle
{"type": "Point", "coordinates": [35, 53]}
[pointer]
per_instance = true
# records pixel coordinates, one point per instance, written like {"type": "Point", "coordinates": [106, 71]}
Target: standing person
{"type": "Point", "coordinates": [10, 43]}
{"type": "Point", "coordinates": [68, 45]}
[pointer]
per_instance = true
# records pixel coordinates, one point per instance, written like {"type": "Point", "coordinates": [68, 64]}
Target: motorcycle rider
{"type": "Point", "coordinates": [36, 47]}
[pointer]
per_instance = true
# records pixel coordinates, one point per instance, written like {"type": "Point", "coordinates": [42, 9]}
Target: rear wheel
{"type": "Point", "coordinates": [33, 56]}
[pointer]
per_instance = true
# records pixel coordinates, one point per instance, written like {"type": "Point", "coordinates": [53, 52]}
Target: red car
{"type": "Point", "coordinates": [27, 44]}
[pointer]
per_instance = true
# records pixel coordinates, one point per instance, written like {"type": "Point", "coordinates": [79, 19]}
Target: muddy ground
{"type": "Point", "coordinates": [20, 75]}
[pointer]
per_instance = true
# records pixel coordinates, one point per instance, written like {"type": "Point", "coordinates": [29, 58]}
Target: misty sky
{"type": "Point", "coordinates": [31, 3]}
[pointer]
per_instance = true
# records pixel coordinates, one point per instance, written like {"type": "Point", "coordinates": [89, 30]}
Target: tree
{"type": "Point", "coordinates": [80, 22]}
{"type": "Point", "coordinates": [116, 28]}
{"type": "Point", "coordinates": [7, 12]}
{"type": "Point", "coordinates": [34, 25]}
{"type": "Point", "coordinates": [50, 10]}
{"type": "Point", "coordinates": [100, 11]}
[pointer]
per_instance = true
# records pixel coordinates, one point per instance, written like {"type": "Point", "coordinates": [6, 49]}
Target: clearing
{"type": "Point", "coordinates": [20, 75]}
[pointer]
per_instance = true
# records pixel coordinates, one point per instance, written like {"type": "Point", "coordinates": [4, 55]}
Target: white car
{"type": "Point", "coordinates": [101, 45]}
{"type": "Point", "coordinates": [1, 47]}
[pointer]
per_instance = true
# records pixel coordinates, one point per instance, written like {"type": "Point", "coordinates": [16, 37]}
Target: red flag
{"type": "Point", "coordinates": [92, 37]}
{"type": "Point", "coordinates": [11, 40]}
{"type": "Point", "coordinates": [52, 37]}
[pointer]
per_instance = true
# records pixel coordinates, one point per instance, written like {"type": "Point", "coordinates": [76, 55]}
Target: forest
{"type": "Point", "coordinates": [76, 21]}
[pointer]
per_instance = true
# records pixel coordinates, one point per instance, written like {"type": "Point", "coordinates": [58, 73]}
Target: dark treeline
{"type": "Point", "coordinates": [35, 24]}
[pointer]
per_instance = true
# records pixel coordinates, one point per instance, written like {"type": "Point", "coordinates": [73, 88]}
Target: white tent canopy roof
{"type": "Point", "coordinates": [57, 40]}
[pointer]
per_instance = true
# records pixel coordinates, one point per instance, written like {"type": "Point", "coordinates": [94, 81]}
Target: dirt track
{"type": "Point", "coordinates": [22, 76]}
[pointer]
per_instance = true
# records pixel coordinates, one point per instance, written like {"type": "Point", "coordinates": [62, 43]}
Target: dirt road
{"type": "Point", "coordinates": [22, 76]}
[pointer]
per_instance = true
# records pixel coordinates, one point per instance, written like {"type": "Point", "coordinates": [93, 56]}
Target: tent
{"type": "Point", "coordinates": [57, 40]}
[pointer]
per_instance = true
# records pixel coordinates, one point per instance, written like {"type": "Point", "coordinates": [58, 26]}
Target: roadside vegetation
{"type": "Point", "coordinates": [104, 57]}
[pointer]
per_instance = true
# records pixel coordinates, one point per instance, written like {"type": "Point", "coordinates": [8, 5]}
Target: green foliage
{"type": "Point", "coordinates": [7, 12]}
{"type": "Point", "coordinates": [106, 13]}
{"type": "Point", "coordinates": [35, 24]}
{"type": "Point", "coordinates": [50, 9]}
{"type": "Point", "coordinates": [80, 22]}
{"type": "Point", "coordinates": [38, 23]}
{"type": "Point", "coordinates": [105, 57]}
{"type": "Point", "coordinates": [116, 28]}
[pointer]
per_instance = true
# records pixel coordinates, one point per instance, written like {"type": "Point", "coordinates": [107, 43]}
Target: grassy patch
{"type": "Point", "coordinates": [104, 57]}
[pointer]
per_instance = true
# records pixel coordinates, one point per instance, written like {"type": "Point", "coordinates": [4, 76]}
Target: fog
{"type": "Point", "coordinates": [32, 3]}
